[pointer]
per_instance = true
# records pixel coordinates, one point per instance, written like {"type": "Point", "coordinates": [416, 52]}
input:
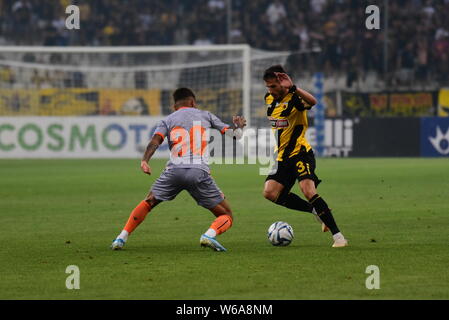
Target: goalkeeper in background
{"type": "Point", "coordinates": [187, 168]}
{"type": "Point", "coordinates": [287, 108]}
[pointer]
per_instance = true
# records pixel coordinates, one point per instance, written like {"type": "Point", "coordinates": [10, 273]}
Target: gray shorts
{"type": "Point", "coordinates": [197, 182]}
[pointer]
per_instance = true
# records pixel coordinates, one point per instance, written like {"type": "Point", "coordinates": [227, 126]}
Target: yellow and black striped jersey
{"type": "Point", "coordinates": [288, 119]}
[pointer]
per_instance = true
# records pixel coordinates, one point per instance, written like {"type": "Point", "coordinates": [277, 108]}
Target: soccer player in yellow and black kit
{"type": "Point", "coordinates": [287, 107]}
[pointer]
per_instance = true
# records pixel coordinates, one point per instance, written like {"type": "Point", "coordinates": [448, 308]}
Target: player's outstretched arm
{"type": "Point", "coordinates": [239, 124]}
{"type": "Point", "coordinates": [152, 146]}
{"type": "Point", "coordinates": [287, 82]}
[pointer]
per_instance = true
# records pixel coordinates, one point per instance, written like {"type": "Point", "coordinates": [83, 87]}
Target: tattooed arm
{"type": "Point", "coordinates": [151, 148]}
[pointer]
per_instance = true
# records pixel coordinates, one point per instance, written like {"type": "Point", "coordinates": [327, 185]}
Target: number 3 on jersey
{"type": "Point", "coordinates": [302, 168]}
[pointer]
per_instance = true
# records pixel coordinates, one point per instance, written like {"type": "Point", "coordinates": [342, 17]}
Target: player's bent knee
{"type": "Point", "coordinates": [227, 212]}
{"type": "Point", "coordinates": [151, 200]}
{"type": "Point", "coordinates": [221, 209]}
{"type": "Point", "coordinates": [270, 195]}
{"type": "Point", "coordinates": [226, 208]}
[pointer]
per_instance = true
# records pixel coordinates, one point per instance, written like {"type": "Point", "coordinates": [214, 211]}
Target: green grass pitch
{"type": "Point", "coordinates": [56, 213]}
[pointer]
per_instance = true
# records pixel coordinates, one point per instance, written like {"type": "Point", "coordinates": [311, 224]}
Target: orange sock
{"type": "Point", "coordinates": [221, 224]}
{"type": "Point", "coordinates": [137, 216]}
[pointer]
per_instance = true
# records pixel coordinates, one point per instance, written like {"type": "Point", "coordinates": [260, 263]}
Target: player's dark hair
{"type": "Point", "coordinates": [270, 72]}
{"type": "Point", "coordinates": [182, 94]}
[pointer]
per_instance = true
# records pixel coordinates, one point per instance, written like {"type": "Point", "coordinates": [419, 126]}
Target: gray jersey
{"type": "Point", "coordinates": [185, 131]}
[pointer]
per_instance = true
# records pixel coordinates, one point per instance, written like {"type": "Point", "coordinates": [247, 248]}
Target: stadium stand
{"type": "Point", "coordinates": [320, 35]}
{"type": "Point", "coordinates": [418, 30]}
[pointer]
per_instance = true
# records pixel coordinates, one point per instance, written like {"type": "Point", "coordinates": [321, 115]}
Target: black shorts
{"type": "Point", "coordinates": [299, 167]}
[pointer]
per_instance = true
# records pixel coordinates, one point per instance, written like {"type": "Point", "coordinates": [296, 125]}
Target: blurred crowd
{"type": "Point", "coordinates": [331, 33]}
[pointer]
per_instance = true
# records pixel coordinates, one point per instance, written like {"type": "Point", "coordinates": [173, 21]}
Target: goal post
{"type": "Point", "coordinates": [132, 80]}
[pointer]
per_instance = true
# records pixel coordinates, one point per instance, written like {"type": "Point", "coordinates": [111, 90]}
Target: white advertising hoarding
{"type": "Point", "coordinates": [77, 137]}
{"type": "Point", "coordinates": [127, 137]}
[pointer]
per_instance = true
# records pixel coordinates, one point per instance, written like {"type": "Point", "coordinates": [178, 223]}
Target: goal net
{"type": "Point", "coordinates": [75, 81]}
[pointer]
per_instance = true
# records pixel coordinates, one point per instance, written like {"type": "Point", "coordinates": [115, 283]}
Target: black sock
{"type": "Point", "coordinates": [294, 202]}
{"type": "Point", "coordinates": [324, 213]}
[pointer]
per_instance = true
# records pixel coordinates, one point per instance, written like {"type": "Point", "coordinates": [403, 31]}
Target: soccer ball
{"type": "Point", "coordinates": [280, 234]}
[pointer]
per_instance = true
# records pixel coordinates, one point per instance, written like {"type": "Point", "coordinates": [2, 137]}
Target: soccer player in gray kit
{"type": "Point", "coordinates": [187, 168]}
